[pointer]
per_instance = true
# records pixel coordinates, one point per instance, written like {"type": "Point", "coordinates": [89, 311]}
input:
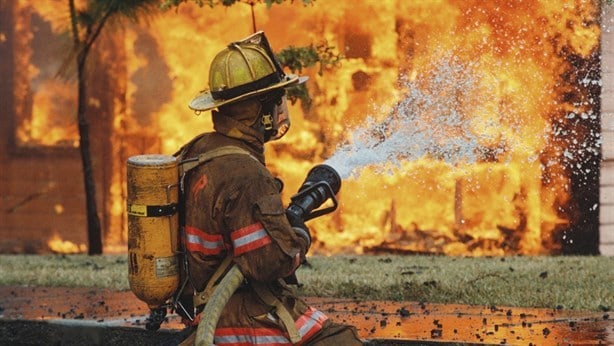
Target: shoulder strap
{"type": "Point", "coordinates": [189, 164]}
{"type": "Point", "coordinates": [184, 149]}
{"type": "Point", "coordinates": [264, 292]}
{"type": "Point", "coordinates": [203, 296]}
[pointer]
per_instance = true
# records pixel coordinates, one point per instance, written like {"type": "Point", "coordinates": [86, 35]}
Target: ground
{"type": "Point", "coordinates": [68, 316]}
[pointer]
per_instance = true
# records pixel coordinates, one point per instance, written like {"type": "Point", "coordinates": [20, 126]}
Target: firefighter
{"type": "Point", "coordinates": [234, 213]}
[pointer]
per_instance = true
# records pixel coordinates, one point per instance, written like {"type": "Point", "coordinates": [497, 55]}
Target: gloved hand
{"type": "Point", "coordinates": [298, 225]}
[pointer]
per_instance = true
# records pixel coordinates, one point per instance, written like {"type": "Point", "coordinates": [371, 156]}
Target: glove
{"type": "Point", "coordinates": [299, 227]}
{"type": "Point", "coordinates": [280, 184]}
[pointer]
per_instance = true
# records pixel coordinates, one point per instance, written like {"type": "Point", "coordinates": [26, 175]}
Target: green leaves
{"type": "Point", "coordinates": [131, 9]}
{"type": "Point", "coordinates": [298, 58]}
{"type": "Point", "coordinates": [167, 4]}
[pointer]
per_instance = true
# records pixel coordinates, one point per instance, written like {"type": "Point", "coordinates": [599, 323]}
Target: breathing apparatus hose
{"type": "Point", "coordinates": [213, 309]}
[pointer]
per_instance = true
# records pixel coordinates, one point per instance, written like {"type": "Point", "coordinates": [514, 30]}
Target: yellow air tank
{"type": "Point", "coordinates": [152, 200]}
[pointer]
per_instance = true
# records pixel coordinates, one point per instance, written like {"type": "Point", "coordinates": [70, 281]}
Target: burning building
{"type": "Point", "coordinates": [496, 108]}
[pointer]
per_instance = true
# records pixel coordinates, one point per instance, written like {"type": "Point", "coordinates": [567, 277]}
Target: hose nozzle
{"type": "Point", "coordinates": [322, 183]}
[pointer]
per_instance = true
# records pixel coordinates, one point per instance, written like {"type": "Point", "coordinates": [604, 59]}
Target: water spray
{"type": "Point", "coordinates": [430, 121]}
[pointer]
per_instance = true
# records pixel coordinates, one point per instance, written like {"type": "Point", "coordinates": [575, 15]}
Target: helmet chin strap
{"type": "Point", "coordinates": [267, 118]}
{"type": "Point", "coordinates": [267, 121]}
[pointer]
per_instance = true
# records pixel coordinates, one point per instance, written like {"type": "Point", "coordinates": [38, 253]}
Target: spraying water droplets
{"type": "Point", "coordinates": [430, 121]}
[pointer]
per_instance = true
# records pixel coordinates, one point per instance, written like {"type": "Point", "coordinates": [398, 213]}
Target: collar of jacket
{"type": "Point", "coordinates": [238, 134]}
{"type": "Point", "coordinates": [213, 140]}
{"type": "Point", "coordinates": [230, 127]}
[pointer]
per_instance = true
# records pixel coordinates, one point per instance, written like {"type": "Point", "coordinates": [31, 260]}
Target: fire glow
{"type": "Point", "coordinates": [507, 83]}
{"type": "Point", "coordinates": [57, 245]}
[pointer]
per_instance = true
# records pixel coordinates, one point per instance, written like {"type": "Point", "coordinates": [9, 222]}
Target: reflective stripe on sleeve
{"type": "Point", "coordinates": [200, 241]}
{"type": "Point", "coordinates": [310, 323]}
{"type": "Point", "coordinates": [249, 238]}
{"type": "Point", "coordinates": [250, 336]}
{"type": "Point", "coordinates": [307, 324]}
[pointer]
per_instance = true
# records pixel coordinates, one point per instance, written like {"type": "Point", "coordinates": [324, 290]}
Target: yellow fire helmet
{"type": "Point", "coordinates": [243, 69]}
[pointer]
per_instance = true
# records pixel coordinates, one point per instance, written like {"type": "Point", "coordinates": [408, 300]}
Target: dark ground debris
{"type": "Point", "coordinates": [66, 316]}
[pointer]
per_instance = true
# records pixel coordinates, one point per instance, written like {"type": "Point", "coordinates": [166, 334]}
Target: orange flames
{"type": "Point", "coordinates": [50, 102]}
{"type": "Point", "coordinates": [506, 201]}
{"type": "Point", "coordinates": [57, 245]}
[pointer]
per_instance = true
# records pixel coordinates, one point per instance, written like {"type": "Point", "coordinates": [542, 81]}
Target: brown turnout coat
{"type": "Point", "coordinates": [234, 208]}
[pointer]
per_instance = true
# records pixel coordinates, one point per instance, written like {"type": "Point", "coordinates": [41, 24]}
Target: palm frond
{"type": "Point", "coordinates": [133, 10]}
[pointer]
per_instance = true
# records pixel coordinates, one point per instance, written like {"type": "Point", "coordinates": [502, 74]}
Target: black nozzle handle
{"type": "Point", "coordinates": [304, 200]}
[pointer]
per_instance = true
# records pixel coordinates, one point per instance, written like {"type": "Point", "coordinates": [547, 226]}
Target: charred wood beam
{"type": "Point", "coordinates": [29, 198]}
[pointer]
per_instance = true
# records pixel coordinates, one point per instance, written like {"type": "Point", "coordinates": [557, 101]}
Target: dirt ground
{"type": "Point", "coordinates": [69, 316]}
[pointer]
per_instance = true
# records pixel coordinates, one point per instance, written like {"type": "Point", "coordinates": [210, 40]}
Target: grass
{"type": "Point", "coordinates": [571, 282]}
{"type": "Point", "coordinates": [585, 283]}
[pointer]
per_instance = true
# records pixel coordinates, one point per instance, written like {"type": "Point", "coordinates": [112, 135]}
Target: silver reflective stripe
{"type": "Point", "coordinates": [311, 322]}
{"type": "Point", "coordinates": [249, 238]}
{"type": "Point", "coordinates": [194, 239]}
{"type": "Point", "coordinates": [253, 339]}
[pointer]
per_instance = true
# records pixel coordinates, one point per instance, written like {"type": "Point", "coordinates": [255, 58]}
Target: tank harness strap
{"type": "Point", "coordinates": [264, 292]}
{"type": "Point", "coordinates": [184, 149]}
{"type": "Point", "coordinates": [202, 297]}
{"type": "Point", "coordinates": [188, 164]}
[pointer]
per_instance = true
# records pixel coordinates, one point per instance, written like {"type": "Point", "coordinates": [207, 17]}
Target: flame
{"type": "Point", "coordinates": [495, 205]}
{"type": "Point", "coordinates": [47, 108]}
{"type": "Point", "coordinates": [41, 129]}
{"type": "Point", "coordinates": [508, 200]}
{"type": "Point", "coordinates": [57, 245]}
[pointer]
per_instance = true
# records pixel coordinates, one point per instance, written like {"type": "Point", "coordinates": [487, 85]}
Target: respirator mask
{"type": "Point", "coordinates": [275, 120]}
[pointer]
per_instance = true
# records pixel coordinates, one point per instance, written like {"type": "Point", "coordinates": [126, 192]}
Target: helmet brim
{"type": "Point", "coordinates": [205, 101]}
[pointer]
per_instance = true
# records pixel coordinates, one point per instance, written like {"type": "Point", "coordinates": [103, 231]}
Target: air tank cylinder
{"type": "Point", "coordinates": [153, 228]}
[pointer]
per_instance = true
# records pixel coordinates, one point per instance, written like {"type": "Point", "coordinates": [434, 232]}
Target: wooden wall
{"type": "Point", "coordinates": [41, 188]}
{"type": "Point", "coordinates": [606, 213]}
{"type": "Point", "coordinates": [42, 196]}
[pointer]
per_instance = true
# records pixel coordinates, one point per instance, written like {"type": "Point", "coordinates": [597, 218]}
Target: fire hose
{"type": "Point", "coordinates": [213, 309]}
{"type": "Point", "coordinates": [322, 183]}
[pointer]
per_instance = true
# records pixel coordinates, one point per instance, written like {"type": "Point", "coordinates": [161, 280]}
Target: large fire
{"type": "Point", "coordinates": [507, 199]}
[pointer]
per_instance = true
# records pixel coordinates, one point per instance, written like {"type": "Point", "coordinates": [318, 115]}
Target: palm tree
{"type": "Point", "coordinates": [86, 26]}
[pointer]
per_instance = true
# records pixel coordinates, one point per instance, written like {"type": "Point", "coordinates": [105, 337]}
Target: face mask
{"type": "Point", "coordinates": [282, 118]}
{"type": "Point", "coordinates": [277, 122]}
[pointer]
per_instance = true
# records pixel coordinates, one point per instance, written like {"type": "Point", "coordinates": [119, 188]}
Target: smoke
{"type": "Point", "coordinates": [429, 121]}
